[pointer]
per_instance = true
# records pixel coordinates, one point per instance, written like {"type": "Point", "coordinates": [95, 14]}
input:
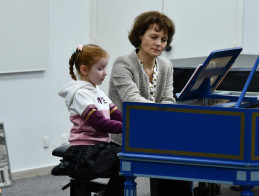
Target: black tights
{"type": "Point", "coordinates": [115, 186]}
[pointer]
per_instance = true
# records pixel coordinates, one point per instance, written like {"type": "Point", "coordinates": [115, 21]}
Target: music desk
{"type": "Point", "coordinates": [193, 143]}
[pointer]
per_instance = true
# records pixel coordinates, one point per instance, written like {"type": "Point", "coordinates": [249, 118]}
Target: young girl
{"type": "Point", "coordinates": [94, 117]}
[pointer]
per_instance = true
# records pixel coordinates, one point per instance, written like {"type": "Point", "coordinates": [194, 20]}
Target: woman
{"type": "Point", "coordinates": [145, 76]}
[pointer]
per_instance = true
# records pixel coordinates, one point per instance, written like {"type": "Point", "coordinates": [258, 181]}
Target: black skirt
{"type": "Point", "coordinates": [97, 158]}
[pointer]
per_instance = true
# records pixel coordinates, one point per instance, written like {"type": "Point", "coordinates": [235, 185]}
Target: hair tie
{"type": "Point", "coordinates": [78, 49]}
{"type": "Point", "coordinates": [72, 50]}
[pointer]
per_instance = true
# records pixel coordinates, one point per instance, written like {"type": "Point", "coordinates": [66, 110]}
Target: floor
{"type": "Point", "coordinates": [48, 185]}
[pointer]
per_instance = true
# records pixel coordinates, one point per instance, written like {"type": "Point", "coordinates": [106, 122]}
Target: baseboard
{"type": "Point", "coordinates": [32, 173]}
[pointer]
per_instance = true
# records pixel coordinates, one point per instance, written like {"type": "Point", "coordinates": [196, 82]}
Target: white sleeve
{"type": "Point", "coordinates": [82, 99]}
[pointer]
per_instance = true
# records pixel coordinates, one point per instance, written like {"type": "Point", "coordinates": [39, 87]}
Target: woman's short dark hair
{"type": "Point", "coordinates": [143, 21]}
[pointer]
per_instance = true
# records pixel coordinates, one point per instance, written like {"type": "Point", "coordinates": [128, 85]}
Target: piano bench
{"type": "Point", "coordinates": [81, 180]}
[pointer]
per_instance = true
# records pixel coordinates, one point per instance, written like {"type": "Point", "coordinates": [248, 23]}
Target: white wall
{"type": "Point", "coordinates": [29, 105]}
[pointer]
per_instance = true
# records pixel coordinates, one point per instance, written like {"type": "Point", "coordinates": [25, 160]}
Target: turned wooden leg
{"type": "Point", "coordinates": [130, 186]}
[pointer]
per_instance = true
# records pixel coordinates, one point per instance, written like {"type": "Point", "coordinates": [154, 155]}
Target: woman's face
{"type": "Point", "coordinates": [153, 42]}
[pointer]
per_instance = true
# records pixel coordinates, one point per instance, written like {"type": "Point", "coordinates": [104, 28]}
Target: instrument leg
{"type": "Point", "coordinates": [247, 191]}
{"type": "Point", "coordinates": [130, 186]}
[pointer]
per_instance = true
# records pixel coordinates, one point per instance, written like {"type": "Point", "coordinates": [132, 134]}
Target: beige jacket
{"type": "Point", "coordinates": [129, 83]}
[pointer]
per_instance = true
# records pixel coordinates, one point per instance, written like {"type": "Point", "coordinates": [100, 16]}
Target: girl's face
{"type": "Point", "coordinates": [153, 42]}
{"type": "Point", "coordinates": [97, 72]}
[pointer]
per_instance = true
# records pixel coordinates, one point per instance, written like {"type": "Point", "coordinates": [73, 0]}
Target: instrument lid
{"type": "Point", "coordinates": [207, 76]}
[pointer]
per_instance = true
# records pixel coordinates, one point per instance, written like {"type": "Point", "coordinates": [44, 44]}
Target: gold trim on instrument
{"type": "Point", "coordinates": [253, 136]}
{"type": "Point", "coordinates": [186, 153]}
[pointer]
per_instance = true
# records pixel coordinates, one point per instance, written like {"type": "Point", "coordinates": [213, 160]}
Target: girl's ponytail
{"type": "Point", "coordinates": [71, 65]}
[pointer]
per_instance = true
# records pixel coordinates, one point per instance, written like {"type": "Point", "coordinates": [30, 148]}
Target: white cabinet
{"type": "Point", "coordinates": [204, 25]}
{"type": "Point", "coordinates": [201, 25]}
{"type": "Point", "coordinates": [111, 22]}
{"type": "Point", "coordinates": [251, 27]}
{"type": "Point", "coordinates": [114, 19]}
